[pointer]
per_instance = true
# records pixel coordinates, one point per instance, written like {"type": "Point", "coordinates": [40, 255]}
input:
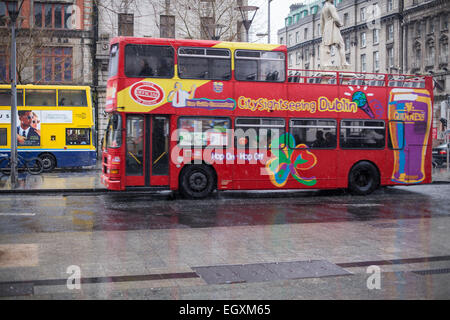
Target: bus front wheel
{"type": "Point", "coordinates": [363, 178]}
{"type": "Point", "coordinates": [197, 181]}
{"type": "Point", "coordinates": [48, 161]}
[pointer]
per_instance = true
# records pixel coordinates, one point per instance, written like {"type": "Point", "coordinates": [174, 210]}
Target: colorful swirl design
{"type": "Point", "coordinates": [289, 159]}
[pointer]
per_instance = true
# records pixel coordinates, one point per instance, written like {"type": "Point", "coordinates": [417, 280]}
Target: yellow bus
{"type": "Point", "coordinates": [54, 123]}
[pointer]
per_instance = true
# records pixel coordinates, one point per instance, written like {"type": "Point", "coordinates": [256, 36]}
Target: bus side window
{"type": "Point", "coordinates": [72, 98]}
{"type": "Point", "coordinates": [3, 136]}
{"type": "Point", "coordinates": [252, 65]}
{"type": "Point", "coordinates": [5, 97]}
{"type": "Point", "coordinates": [203, 131]}
{"type": "Point", "coordinates": [40, 97]}
{"type": "Point", "coordinates": [77, 136]}
{"type": "Point", "coordinates": [259, 133]}
{"type": "Point", "coordinates": [143, 61]}
{"type": "Point", "coordinates": [363, 134]}
{"type": "Point", "coordinates": [314, 133]}
{"type": "Point", "coordinates": [202, 63]}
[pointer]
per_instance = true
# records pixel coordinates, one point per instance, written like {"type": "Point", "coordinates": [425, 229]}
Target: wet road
{"type": "Point", "coordinates": [142, 245]}
{"type": "Point", "coordinates": [141, 211]}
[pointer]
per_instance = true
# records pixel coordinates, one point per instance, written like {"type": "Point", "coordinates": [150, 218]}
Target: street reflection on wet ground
{"type": "Point", "coordinates": [142, 211]}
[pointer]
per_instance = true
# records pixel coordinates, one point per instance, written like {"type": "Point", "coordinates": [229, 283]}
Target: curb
{"type": "Point", "coordinates": [95, 191]}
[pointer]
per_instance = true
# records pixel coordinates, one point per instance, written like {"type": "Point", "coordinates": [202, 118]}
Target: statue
{"type": "Point", "coordinates": [331, 36]}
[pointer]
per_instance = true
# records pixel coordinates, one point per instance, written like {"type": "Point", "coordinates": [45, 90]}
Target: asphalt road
{"type": "Point", "coordinates": [142, 234]}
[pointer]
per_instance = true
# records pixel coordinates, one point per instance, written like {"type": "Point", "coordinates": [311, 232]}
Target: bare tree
{"type": "Point", "coordinates": [193, 18]}
{"type": "Point", "coordinates": [29, 41]}
{"type": "Point", "coordinates": [199, 17]}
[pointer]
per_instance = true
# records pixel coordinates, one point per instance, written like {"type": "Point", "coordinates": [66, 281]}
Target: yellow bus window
{"type": "Point", "coordinates": [38, 98]}
{"type": "Point", "coordinates": [72, 98]}
{"type": "Point", "coordinates": [78, 136]}
{"type": "Point", "coordinates": [5, 97]}
{"type": "Point", "coordinates": [3, 137]}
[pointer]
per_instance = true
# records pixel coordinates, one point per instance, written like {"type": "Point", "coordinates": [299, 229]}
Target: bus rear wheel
{"type": "Point", "coordinates": [48, 161]}
{"type": "Point", "coordinates": [363, 178]}
{"type": "Point", "coordinates": [197, 181]}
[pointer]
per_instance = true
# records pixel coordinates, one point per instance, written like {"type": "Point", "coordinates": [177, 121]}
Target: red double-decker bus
{"type": "Point", "coordinates": [195, 116]}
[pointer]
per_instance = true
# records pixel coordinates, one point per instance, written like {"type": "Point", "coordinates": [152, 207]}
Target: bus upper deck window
{"type": "Point", "coordinates": [5, 97]}
{"type": "Point", "coordinates": [39, 98]}
{"type": "Point", "coordinates": [203, 63]}
{"type": "Point", "coordinates": [113, 60]}
{"type": "Point", "coordinates": [72, 98]}
{"type": "Point", "coordinates": [252, 65]}
{"type": "Point", "coordinates": [143, 61]}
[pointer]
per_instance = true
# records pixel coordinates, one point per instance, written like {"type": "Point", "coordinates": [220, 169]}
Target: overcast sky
{"type": "Point", "coordinates": [279, 9]}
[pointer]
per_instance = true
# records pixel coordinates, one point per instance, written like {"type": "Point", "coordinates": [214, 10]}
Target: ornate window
{"type": "Point", "coordinates": [390, 32]}
{"type": "Point", "coordinates": [53, 65]}
{"type": "Point", "coordinates": [376, 61]}
{"type": "Point", "coordinates": [376, 36]}
{"type": "Point", "coordinates": [167, 26]}
{"type": "Point", "coordinates": [53, 15]}
{"type": "Point", "coordinates": [363, 63]}
{"type": "Point", "coordinates": [363, 39]}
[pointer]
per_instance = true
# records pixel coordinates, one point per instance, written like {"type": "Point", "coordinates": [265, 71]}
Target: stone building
{"type": "Point", "coordinates": [381, 36]}
{"type": "Point", "coordinates": [54, 42]}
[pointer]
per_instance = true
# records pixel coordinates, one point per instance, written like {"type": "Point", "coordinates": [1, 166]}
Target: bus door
{"type": "Point", "coordinates": [147, 150]}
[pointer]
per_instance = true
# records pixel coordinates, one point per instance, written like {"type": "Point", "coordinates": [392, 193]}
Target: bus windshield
{"type": "Point", "coordinates": [114, 132]}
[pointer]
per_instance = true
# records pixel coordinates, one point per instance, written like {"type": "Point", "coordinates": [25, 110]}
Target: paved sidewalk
{"type": "Point", "coordinates": [81, 179]}
{"type": "Point", "coordinates": [89, 180]}
{"type": "Point", "coordinates": [441, 174]}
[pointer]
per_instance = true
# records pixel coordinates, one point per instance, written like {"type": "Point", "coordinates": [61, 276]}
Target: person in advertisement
{"type": "Point", "coordinates": [178, 96]}
{"type": "Point", "coordinates": [26, 134]}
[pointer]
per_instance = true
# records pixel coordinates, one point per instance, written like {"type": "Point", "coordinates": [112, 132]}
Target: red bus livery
{"type": "Point", "coordinates": [196, 115]}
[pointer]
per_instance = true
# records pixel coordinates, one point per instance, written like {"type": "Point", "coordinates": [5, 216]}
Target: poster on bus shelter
{"type": "Point", "coordinates": [28, 128]}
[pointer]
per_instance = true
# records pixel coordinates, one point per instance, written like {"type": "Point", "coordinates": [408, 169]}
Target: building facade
{"type": "Point", "coordinates": [54, 42]}
{"type": "Point", "coordinates": [380, 36]}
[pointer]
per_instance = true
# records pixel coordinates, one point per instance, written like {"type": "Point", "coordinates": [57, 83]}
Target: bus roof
{"type": "Point", "coordinates": [49, 86]}
{"type": "Point", "coordinates": [200, 43]}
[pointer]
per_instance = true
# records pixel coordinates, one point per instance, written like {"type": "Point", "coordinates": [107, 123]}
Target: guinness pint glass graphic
{"type": "Point", "coordinates": [410, 113]}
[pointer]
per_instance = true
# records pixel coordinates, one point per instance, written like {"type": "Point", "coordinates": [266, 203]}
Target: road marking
{"type": "Point", "coordinates": [355, 204]}
{"type": "Point", "coordinates": [21, 214]}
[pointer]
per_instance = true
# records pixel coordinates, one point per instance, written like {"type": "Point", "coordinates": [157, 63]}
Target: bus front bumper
{"type": "Point", "coordinates": [110, 184]}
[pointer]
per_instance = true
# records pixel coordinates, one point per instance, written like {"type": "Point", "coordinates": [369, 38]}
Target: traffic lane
{"type": "Point", "coordinates": [108, 212]}
{"type": "Point", "coordinates": [242, 209]}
